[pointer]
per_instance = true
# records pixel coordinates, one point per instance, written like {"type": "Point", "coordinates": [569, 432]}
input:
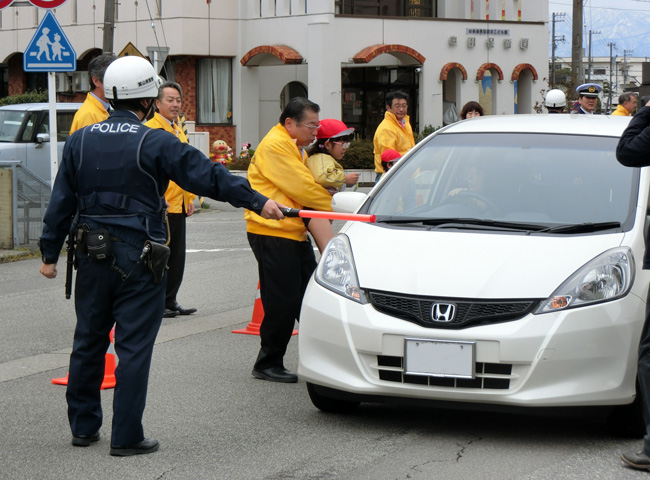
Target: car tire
{"type": "Point", "coordinates": [628, 420]}
{"type": "Point", "coordinates": [327, 403]}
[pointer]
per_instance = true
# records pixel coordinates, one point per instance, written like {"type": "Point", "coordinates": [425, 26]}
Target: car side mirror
{"type": "Point", "coordinates": [42, 138]}
{"type": "Point", "coordinates": [347, 202]}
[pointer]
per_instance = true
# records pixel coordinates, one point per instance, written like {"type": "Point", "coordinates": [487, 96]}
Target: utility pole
{"type": "Point", "coordinates": [591, 63]}
{"type": "Point", "coordinates": [109, 26]}
{"type": "Point", "coordinates": [576, 46]}
{"type": "Point", "coordinates": [611, 47]}
{"type": "Point", "coordinates": [625, 70]}
{"type": "Point", "coordinates": [554, 41]}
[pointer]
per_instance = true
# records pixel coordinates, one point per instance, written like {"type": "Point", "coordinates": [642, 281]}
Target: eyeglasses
{"type": "Point", "coordinates": [400, 106]}
{"type": "Point", "coordinates": [343, 144]}
{"type": "Point", "coordinates": [310, 126]}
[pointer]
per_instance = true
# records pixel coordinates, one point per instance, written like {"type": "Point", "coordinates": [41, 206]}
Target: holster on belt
{"type": "Point", "coordinates": [157, 259]}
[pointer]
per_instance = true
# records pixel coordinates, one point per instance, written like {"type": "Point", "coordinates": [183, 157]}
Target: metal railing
{"type": "Point", "coordinates": [31, 196]}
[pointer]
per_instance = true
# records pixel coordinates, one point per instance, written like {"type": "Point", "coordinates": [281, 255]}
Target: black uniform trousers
{"type": "Point", "coordinates": [135, 306]}
{"type": "Point", "coordinates": [643, 374]}
{"type": "Point", "coordinates": [176, 262]}
{"type": "Point", "coordinates": [285, 267]}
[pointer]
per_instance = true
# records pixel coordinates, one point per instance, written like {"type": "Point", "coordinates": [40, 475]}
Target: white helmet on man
{"type": "Point", "coordinates": [555, 98]}
{"type": "Point", "coordinates": [131, 77]}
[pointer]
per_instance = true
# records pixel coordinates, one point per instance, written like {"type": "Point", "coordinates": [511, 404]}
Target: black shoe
{"type": "Point", "coordinates": [182, 311]}
{"type": "Point", "coordinates": [148, 445]}
{"type": "Point", "coordinates": [637, 460]}
{"type": "Point", "coordinates": [275, 374]}
{"type": "Point", "coordinates": [85, 440]}
{"type": "Point", "coordinates": [169, 313]}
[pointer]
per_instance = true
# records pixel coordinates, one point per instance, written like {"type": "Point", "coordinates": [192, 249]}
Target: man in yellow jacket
{"type": "Point", "coordinates": [626, 105]}
{"type": "Point", "coordinates": [284, 253]}
{"type": "Point", "coordinates": [394, 131]}
{"type": "Point", "coordinates": [180, 203]}
{"type": "Point", "coordinates": [95, 107]}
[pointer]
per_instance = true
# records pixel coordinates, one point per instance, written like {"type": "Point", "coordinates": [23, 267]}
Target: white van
{"type": "Point", "coordinates": [25, 133]}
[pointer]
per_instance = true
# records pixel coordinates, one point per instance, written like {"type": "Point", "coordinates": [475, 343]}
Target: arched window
{"type": "Point", "coordinates": [292, 90]}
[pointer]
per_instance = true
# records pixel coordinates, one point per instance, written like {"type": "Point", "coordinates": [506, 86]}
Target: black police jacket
{"type": "Point", "coordinates": [114, 174]}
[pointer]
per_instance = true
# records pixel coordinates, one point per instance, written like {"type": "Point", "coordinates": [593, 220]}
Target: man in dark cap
{"type": "Point", "coordinates": [588, 98]}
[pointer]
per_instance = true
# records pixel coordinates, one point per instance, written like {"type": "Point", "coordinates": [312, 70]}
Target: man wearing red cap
{"type": "Point", "coordinates": [395, 129]}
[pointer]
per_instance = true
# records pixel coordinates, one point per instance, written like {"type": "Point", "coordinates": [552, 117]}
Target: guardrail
{"type": "Point", "coordinates": [22, 222]}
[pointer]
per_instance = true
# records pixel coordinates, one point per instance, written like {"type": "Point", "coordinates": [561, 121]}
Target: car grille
{"type": "Point", "coordinates": [489, 376]}
{"type": "Point", "coordinates": [467, 312]}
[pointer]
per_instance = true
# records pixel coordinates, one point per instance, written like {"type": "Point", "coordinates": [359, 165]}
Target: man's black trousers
{"type": "Point", "coordinates": [285, 267]}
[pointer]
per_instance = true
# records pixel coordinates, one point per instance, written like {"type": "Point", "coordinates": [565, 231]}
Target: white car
{"type": "Point", "coordinates": [504, 268]}
{"type": "Point", "coordinates": [25, 134]}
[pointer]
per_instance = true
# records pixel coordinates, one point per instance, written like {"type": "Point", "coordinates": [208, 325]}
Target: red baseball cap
{"type": "Point", "coordinates": [332, 128]}
{"type": "Point", "coordinates": [390, 155]}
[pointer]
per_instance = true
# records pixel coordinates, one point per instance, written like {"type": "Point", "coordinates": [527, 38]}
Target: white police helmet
{"type": "Point", "coordinates": [555, 98]}
{"type": "Point", "coordinates": [131, 77]}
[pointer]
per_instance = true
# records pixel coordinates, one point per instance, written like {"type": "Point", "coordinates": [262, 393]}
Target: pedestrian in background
{"type": "Point", "coordinates": [470, 110]}
{"type": "Point", "coordinates": [112, 178]}
{"type": "Point", "coordinates": [284, 253]}
{"type": "Point", "coordinates": [180, 204]}
{"type": "Point", "coordinates": [626, 105]}
{"type": "Point", "coordinates": [333, 139]}
{"type": "Point", "coordinates": [633, 150]}
{"type": "Point", "coordinates": [95, 107]}
{"type": "Point", "coordinates": [394, 131]}
{"type": "Point", "coordinates": [555, 101]}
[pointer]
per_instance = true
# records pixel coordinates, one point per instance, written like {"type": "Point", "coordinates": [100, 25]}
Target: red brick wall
{"type": "Point", "coordinates": [17, 83]}
{"type": "Point", "coordinates": [186, 77]}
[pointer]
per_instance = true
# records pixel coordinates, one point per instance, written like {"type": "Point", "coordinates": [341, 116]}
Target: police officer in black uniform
{"type": "Point", "coordinates": [587, 98]}
{"type": "Point", "coordinates": [110, 190]}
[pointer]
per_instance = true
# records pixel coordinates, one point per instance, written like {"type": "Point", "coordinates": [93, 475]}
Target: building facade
{"type": "Point", "coordinates": [240, 62]}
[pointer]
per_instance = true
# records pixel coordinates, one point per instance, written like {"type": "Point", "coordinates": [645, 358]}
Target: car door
{"type": "Point", "coordinates": [38, 153]}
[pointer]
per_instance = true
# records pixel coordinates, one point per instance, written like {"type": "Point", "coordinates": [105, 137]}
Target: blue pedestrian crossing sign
{"type": "Point", "coordinates": [49, 50]}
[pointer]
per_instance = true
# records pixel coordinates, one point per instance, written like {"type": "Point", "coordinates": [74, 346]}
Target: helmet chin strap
{"type": "Point", "coordinates": [149, 108]}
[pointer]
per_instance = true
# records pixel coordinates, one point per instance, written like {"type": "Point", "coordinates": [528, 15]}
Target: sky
{"type": "Point", "coordinates": [623, 22]}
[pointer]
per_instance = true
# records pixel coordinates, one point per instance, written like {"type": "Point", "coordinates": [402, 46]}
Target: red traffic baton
{"type": "Point", "coordinates": [355, 217]}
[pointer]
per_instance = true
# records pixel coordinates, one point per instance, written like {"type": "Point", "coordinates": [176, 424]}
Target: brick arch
{"type": "Point", "coordinates": [487, 66]}
{"type": "Point", "coordinates": [520, 68]}
{"type": "Point", "coordinates": [368, 53]}
{"type": "Point", "coordinates": [444, 73]}
{"type": "Point", "coordinates": [286, 55]}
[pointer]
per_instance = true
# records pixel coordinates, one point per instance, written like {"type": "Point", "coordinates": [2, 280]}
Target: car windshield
{"type": "Point", "coordinates": [10, 121]}
{"type": "Point", "coordinates": [544, 181]}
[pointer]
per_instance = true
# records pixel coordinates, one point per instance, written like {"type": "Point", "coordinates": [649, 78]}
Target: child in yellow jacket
{"type": "Point", "coordinates": [333, 139]}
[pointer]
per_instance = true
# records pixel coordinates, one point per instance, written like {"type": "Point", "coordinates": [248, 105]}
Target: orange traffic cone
{"type": "Point", "coordinates": [109, 367]}
{"type": "Point", "coordinates": [253, 328]}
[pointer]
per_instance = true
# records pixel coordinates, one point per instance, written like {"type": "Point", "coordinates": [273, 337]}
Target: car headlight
{"type": "Point", "coordinates": [336, 270]}
{"type": "Point", "coordinates": [607, 277]}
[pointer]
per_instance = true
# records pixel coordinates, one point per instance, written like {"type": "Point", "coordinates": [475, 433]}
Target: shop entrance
{"type": "Point", "coordinates": [364, 90]}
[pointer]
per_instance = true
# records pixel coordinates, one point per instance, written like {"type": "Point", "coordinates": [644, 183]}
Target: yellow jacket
{"type": "Point", "coordinates": [326, 170]}
{"type": "Point", "coordinates": [175, 195]}
{"type": "Point", "coordinates": [91, 111]}
{"type": "Point", "coordinates": [278, 171]}
{"type": "Point", "coordinates": [621, 111]}
{"type": "Point", "coordinates": [390, 134]}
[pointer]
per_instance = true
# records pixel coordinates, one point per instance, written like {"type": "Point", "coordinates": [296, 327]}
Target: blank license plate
{"type": "Point", "coordinates": [439, 358]}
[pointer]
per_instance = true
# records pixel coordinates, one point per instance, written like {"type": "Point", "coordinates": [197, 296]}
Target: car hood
{"type": "Point", "coordinates": [449, 263]}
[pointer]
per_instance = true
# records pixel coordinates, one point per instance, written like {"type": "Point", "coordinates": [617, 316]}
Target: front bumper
{"type": "Point", "coordinates": [583, 356]}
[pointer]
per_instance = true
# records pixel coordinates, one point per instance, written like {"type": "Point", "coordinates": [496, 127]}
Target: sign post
{"type": "Point", "coordinates": [50, 51]}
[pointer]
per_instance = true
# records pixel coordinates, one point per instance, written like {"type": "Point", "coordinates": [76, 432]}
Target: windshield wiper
{"type": "Point", "coordinates": [456, 222]}
{"type": "Point", "coordinates": [582, 227]}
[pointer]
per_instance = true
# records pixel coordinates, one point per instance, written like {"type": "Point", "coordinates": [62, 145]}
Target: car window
{"type": "Point", "coordinates": [532, 178]}
{"type": "Point", "coordinates": [63, 124]}
{"type": "Point", "coordinates": [28, 133]}
{"type": "Point", "coordinates": [10, 122]}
